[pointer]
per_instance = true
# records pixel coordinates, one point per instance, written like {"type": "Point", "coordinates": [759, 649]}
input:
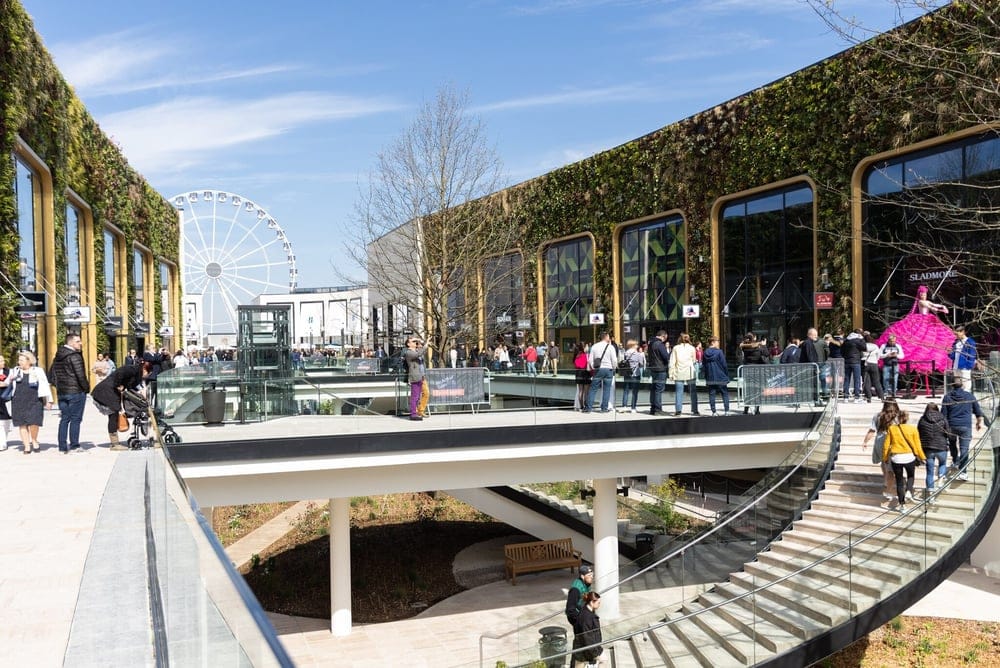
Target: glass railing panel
{"type": "Point", "coordinates": [210, 617]}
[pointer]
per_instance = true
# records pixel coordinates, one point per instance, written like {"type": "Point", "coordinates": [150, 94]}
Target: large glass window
{"type": "Point", "coordinates": [72, 243]}
{"type": "Point", "coordinates": [166, 296]}
{"type": "Point", "coordinates": [930, 218]}
{"type": "Point", "coordinates": [26, 185]}
{"type": "Point", "coordinates": [767, 265]}
{"type": "Point", "coordinates": [652, 276]}
{"type": "Point", "coordinates": [569, 290]}
{"type": "Point", "coordinates": [502, 279]}
{"type": "Point", "coordinates": [139, 284]}
{"type": "Point", "coordinates": [111, 306]}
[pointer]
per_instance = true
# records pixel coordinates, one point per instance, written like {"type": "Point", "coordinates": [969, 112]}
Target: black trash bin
{"type": "Point", "coordinates": [553, 642]}
{"type": "Point", "coordinates": [644, 546]}
{"type": "Point", "coordinates": [213, 403]}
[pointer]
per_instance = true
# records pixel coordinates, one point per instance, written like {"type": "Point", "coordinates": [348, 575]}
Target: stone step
{"type": "Point", "coordinates": [817, 546]}
{"type": "Point", "coordinates": [728, 635]}
{"type": "Point", "coordinates": [697, 644]}
{"type": "Point", "coordinates": [773, 637]}
{"type": "Point", "coordinates": [806, 582]}
{"type": "Point", "coordinates": [785, 564]}
{"type": "Point", "coordinates": [864, 565]}
{"type": "Point", "coordinates": [621, 655]}
{"type": "Point", "coordinates": [896, 535]}
{"type": "Point", "coordinates": [645, 652]}
{"type": "Point", "coordinates": [793, 597]}
{"type": "Point", "coordinates": [793, 619]}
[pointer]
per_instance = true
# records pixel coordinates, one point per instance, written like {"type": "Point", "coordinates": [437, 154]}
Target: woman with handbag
{"type": "Point", "coordinates": [881, 421]}
{"type": "Point", "coordinates": [31, 394]}
{"type": "Point", "coordinates": [108, 397]}
{"type": "Point", "coordinates": [4, 415]}
{"type": "Point", "coordinates": [903, 451]}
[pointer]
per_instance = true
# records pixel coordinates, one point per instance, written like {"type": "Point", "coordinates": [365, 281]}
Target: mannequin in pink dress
{"type": "Point", "coordinates": [922, 335]}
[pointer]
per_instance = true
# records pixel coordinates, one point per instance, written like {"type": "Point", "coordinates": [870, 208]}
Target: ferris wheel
{"type": "Point", "coordinates": [232, 250]}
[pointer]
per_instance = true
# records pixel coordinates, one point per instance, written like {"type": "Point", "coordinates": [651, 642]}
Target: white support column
{"type": "Point", "coordinates": [606, 544]}
{"type": "Point", "coordinates": [340, 566]}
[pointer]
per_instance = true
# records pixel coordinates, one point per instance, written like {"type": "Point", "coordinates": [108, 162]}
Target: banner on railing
{"type": "Point", "coordinates": [456, 386]}
{"type": "Point", "coordinates": [779, 384]}
{"type": "Point", "coordinates": [357, 366]}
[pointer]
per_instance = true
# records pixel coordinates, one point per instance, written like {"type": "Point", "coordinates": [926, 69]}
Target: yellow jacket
{"type": "Point", "coordinates": [901, 439]}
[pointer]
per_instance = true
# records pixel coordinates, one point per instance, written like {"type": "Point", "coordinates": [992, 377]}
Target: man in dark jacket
{"type": "Point", "coordinates": [853, 350]}
{"type": "Point", "coordinates": [958, 407]}
{"type": "Point", "coordinates": [69, 373]}
{"type": "Point", "coordinates": [713, 363]}
{"type": "Point", "coordinates": [657, 361]}
{"type": "Point", "coordinates": [574, 598]}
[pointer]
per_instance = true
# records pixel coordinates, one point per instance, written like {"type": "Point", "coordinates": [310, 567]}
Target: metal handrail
{"type": "Point", "coordinates": [829, 414]}
{"type": "Point", "coordinates": [985, 442]}
{"type": "Point", "coordinates": [852, 543]}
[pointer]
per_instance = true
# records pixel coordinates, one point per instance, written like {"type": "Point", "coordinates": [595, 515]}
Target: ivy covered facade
{"type": "Point", "coordinates": [77, 223]}
{"type": "Point", "coordinates": [747, 210]}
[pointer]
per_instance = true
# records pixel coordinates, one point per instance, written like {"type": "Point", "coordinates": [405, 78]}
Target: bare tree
{"type": "Point", "coordinates": [427, 225]}
{"type": "Point", "coordinates": [940, 72]}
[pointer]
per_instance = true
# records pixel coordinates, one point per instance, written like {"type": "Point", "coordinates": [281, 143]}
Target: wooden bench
{"type": "Point", "coordinates": [541, 555]}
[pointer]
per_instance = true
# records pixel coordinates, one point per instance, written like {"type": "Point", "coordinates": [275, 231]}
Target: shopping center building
{"type": "Point", "coordinates": [86, 244]}
{"type": "Point", "coordinates": [824, 198]}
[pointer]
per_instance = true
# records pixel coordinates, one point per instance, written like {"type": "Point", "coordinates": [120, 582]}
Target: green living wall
{"type": "Point", "coordinates": [37, 105]}
{"type": "Point", "coordinates": [819, 122]}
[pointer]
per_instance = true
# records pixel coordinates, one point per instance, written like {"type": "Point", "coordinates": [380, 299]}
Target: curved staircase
{"type": "Point", "coordinates": [813, 563]}
{"type": "Point", "coordinates": [848, 565]}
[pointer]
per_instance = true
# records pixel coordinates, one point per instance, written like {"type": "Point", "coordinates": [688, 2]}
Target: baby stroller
{"type": "Point", "coordinates": [136, 407]}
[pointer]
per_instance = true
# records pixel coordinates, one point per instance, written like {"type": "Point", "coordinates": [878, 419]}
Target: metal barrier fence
{"type": "Point", "coordinates": [781, 384]}
{"type": "Point", "coordinates": [357, 366]}
{"type": "Point", "coordinates": [450, 387]}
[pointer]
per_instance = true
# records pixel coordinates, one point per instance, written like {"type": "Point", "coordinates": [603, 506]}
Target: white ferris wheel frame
{"type": "Point", "coordinates": [212, 256]}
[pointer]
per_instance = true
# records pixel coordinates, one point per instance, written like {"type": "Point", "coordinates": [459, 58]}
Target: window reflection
{"type": "Point", "coordinates": [569, 286]}
{"type": "Point", "coordinates": [929, 217]}
{"type": "Point", "coordinates": [25, 185]}
{"type": "Point", "coordinates": [110, 277]}
{"type": "Point", "coordinates": [502, 277]}
{"type": "Point", "coordinates": [71, 246]}
{"type": "Point", "coordinates": [653, 278]}
{"type": "Point", "coordinates": [139, 283]}
{"type": "Point", "coordinates": [767, 264]}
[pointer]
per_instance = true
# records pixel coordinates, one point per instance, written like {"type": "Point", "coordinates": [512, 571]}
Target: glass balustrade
{"type": "Point", "coordinates": [203, 611]}
{"type": "Point", "coordinates": [745, 570]}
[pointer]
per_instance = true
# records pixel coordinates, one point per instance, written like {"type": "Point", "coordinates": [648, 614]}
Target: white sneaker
{"type": "Point", "coordinates": [963, 476]}
{"type": "Point", "coordinates": [634, 410]}
{"type": "Point", "coordinates": [909, 495]}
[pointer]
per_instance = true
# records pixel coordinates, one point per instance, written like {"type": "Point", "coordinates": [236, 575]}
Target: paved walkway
{"type": "Point", "coordinates": [50, 504]}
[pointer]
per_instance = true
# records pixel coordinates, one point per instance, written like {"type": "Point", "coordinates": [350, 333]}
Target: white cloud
{"type": "Point", "coordinates": [185, 132]}
{"type": "Point", "coordinates": [104, 60]}
{"type": "Point", "coordinates": [554, 6]}
{"type": "Point", "coordinates": [130, 62]}
{"type": "Point", "coordinates": [569, 97]}
{"type": "Point", "coordinates": [721, 46]}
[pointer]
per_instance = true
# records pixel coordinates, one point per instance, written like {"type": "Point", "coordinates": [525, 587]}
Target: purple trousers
{"type": "Point", "coordinates": [415, 390]}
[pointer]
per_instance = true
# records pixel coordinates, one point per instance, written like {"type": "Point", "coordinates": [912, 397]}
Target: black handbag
{"type": "Point", "coordinates": [8, 393]}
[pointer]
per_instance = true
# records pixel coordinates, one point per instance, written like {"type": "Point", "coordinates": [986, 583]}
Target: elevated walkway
{"type": "Point", "coordinates": [53, 502]}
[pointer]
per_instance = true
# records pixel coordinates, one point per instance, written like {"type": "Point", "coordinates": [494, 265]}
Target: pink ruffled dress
{"type": "Point", "coordinates": [924, 339]}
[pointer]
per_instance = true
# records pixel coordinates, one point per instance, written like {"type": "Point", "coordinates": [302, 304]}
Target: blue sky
{"type": "Point", "coordinates": [287, 103]}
